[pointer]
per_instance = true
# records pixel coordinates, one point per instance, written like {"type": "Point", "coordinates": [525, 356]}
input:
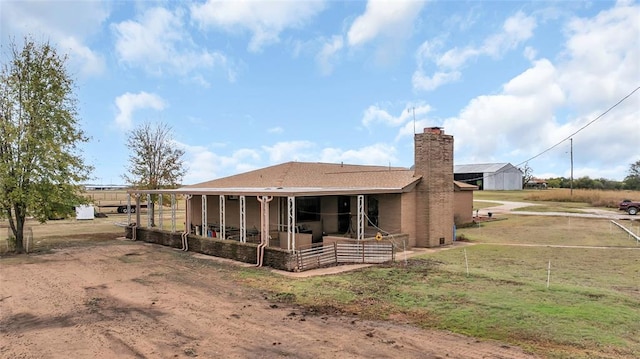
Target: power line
{"type": "Point", "coordinates": [565, 139]}
{"type": "Point", "coordinates": [581, 128]}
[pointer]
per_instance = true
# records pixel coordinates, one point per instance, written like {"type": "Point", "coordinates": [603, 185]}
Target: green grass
{"type": "Point", "coordinates": [566, 207]}
{"type": "Point", "coordinates": [516, 196]}
{"type": "Point", "coordinates": [591, 308]}
{"type": "Point", "coordinates": [550, 230]}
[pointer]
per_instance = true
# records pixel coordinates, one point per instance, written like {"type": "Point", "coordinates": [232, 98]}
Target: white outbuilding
{"type": "Point", "coordinates": [85, 211]}
{"type": "Point", "coordinates": [490, 176]}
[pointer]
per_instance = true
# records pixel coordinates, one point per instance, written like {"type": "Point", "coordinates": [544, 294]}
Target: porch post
{"type": "Point", "coordinates": [173, 213]}
{"type": "Point", "coordinates": [360, 217]}
{"type": "Point", "coordinates": [291, 223]}
{"type": "Point", "coordinates": [129, 208]}
{"type": "Point", "coordinates": [264, 227]}
{"type": "Point", "coordinates": [204, 232]}
{"type": "Point", "coordinates": [187, 212]}
{"type": "Point", "coordinates": [149, 213]}
{"type": "Point", "coordinates": [243, 220]}
{"type": "Point", "coordinates": [222, 215]}
{"type": "Point", "coordinates": [137, 209]}
{"type": "Point", "coordinates": [160, 205]}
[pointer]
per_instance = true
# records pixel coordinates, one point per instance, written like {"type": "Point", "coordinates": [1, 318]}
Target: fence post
{"type": "Point", "coordinates": [335, 251]}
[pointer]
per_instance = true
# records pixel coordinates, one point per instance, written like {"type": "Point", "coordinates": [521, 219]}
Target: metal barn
{"type": "Point", "coordinates": [490, 176]}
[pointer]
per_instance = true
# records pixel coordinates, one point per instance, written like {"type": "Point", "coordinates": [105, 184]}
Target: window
{"type": "Point", "coordinates": [307, 209]}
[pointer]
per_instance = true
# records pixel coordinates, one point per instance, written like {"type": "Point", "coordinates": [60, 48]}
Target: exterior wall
{"type": "Point", "coordinates": [329, 204]}
{"type": "Point", "coordinates": [408, 217]}
{"type": "Point", "coordinates": [242, 252]}
{"type": "Point", "coordinates": [434, 193]}
{"type": "Point", "coordinates": [463, 207]}
{"type": "Point", "coordinates": [389, 214]}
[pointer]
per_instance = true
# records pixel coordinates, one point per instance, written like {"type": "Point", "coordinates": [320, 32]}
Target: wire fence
{"type": "Point", "coordinates": [8, 243]}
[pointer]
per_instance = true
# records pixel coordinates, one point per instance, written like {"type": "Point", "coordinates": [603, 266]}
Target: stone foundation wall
{"type": "Point", "coordinates": [243, 252]}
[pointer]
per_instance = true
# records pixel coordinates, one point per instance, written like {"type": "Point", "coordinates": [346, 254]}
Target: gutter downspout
{"type": "Point", "coordinates": [187, 224]}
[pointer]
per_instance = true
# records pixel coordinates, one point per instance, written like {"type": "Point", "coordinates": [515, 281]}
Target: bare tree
{"type": "Point", "coordinates": [155, 161]}
{"type": "Point", "coordinates": [527, 174]}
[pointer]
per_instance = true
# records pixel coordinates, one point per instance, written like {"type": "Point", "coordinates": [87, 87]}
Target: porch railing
{"type": "Point", "coordinates": [335, 253]}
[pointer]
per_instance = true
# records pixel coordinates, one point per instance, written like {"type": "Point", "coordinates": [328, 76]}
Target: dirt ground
{"type": "Point", "coordinates": [121, 299]}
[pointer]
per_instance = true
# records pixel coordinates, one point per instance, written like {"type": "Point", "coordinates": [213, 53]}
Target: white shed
{"type": "Point", "coordinates": [85, 211]}
{"type": "Point", "coordinates": [490, 176]}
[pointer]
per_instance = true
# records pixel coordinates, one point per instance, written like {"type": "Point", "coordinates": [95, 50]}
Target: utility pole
{"type": "Point", "coordinates": [571, 192]}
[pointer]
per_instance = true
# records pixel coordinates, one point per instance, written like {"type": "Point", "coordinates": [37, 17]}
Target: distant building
{"type": "Point", "coordinates": [104, 187]}
{"type": "Point", "coordinates": [536, 183]}
{"type": "Point", "coordinates": [490, 176]}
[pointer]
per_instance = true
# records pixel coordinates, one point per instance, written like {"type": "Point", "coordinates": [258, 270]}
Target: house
{"type": "Point", "coordinates": [293, 206]}
{"type": "Point", "coordinates": [490, 176]}
{"type": "Point", "coordinates": [536, 183]}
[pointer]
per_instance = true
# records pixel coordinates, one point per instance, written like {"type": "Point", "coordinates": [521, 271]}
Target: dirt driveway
{"type": "Point", "coordinates": [125, 299]}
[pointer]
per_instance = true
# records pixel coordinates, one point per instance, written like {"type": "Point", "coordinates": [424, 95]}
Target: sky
{"type": "Point", "coordinates": [249, 84]}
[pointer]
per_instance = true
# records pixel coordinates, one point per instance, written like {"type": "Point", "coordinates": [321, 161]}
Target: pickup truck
{"type": "Point", "coordinates": [629, 206]}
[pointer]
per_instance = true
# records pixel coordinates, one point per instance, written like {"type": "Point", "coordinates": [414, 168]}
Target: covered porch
{"type": "Point", "coordinates": [288, 219]}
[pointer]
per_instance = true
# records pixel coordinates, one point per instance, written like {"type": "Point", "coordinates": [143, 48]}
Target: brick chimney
{"type": "Point", "coordinates": [434, 193]}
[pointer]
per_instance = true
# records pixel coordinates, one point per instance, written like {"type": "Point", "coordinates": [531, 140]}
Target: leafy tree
{"type": "Point", "coordinates": [155, 162]}
{"type": "Point", "coordinates": [556, 182]}
{"type": "Point", "coordinates": [527, 174]}
{"type": "Point", "coordinates": [40, 164]}
{"type": "Point", "coordinates": [632, 181]}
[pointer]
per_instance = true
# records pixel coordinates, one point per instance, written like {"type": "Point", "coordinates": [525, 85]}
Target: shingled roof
{"type": "Point", "coordinates": [318, 176]}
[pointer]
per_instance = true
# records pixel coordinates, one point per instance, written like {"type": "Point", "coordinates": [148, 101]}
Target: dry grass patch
{"type": "Point", "coordinates": [593, 198]}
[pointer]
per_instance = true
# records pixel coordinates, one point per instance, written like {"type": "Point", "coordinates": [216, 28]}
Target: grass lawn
{"type": "Point", "coordinates": [591, 308]}
{"type": "Point", "coordinates": [494, 287]}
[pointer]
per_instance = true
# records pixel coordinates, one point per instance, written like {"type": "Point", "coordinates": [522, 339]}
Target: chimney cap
{"type": "Point", "coordinates": [434, 130]}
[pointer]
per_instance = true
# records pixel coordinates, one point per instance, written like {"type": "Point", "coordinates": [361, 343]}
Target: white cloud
{"type": "Point", "coordinates": [204, 165]}
{"type": "Point", "coordinates": [550, 102]}
{"type": "Point", "coordinates": [327, 54]}
{"type": "Point", "coordinates": [128, 103]}
{"type": "Point", "coordinates": [264, 19]}
{"type": "Point", "coordinates": [289, 151]}
{"type": "Point", "coordinates": [384, 18]}
{"type": "Point", "coordinates": [516, 29]}
{"type": "Point", "coordinates": [493, 123]}
{"type": "Point", "coordinates": [428, 83]}
{"type": "Point", "coordinates": [88, 61]}
{"type": "Point", "coordinates": [377, 154]}
{"type": "Point", "coordinates": [276, 130]}
{"type": "Point", "coordinates": [49, 21]}
{"type": "Point", "coordinates": [375, 114]}
{"type": "Point", "coordinates": [530, 53]}
{"type": "Point", "coordinates": [602, 56]}
{"type": "Point", "coordinates": [158, 42]}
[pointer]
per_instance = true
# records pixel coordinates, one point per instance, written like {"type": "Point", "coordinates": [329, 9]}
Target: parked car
{"type": "Point", "coordinates": [630, 206]}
